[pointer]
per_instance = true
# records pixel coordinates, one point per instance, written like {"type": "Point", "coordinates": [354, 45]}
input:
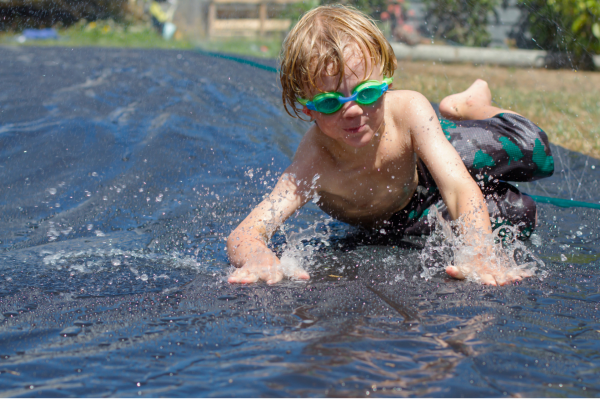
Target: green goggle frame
{"type": "Point", "coordinates": [365, 93]}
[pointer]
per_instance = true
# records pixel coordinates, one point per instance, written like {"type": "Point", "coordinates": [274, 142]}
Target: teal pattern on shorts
{"type": "Point", "coordinates": [506, 147]}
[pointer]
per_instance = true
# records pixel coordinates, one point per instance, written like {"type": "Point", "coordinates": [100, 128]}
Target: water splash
{"type": "Point", "coordinates": [301, 247]}
{"type": "Point", "coordinates": [94, 260]}
{"type": "Point", "coordinates": [509, 256]}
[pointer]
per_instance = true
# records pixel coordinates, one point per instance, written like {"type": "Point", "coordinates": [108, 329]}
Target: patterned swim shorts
{"type": "Point", "coordinates": [506, 147]}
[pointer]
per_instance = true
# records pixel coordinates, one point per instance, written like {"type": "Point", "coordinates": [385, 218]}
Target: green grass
{"type": "Point", "coordinates": [143, 35]}
{"type": "Point", "coordinates": [562, 102]}
{"type": "Point", "coordinates": [103, 34]}
{"type": "Point", "coordinates": [255, 47]}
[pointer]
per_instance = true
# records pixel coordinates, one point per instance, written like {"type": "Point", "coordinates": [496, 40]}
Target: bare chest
{"type": "Point", "coordinates": [373, 192]}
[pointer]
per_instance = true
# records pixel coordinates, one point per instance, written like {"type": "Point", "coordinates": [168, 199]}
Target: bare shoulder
{"type": "Point", "coordinates": [312, 157]}
{"type": "Point", "coordinates": [412, 109]}
{"type": "Point", "coordinates": [405, 103]}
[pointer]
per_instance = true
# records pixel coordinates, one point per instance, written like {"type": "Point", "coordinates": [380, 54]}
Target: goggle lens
{"type": "Point", "coordinates": [368, 95]}
{"type": "Point", "coordinates": [328, 105]}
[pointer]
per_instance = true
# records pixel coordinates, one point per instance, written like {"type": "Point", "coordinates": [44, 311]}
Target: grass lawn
{"type": "Point", "coordinates": [103, 34]}
{"type": "Point", "coordinates": [267, 47]}
{"type": "Point", "coordinates": [564, 103]}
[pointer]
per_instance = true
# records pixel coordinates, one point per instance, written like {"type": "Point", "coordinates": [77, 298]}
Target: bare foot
{"type": "Point", "coordinates": [473, 103]}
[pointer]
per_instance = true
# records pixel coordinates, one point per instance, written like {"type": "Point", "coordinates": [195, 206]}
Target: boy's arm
{"type": "Point", "coordinates": [247, 244]}
{"type": "Point", "coordinates": [462, 196]}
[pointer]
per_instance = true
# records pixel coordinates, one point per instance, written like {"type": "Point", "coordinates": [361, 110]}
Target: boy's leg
{"type": "Point", "coordinates": [473, 104]}
{"type": "Point", "coordinates": [494, 143]}
{"type": "Point", "coordinates": [496, 146]}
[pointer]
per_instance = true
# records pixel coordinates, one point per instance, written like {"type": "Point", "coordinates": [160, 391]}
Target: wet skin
{"type": "Point", "coordinates": [360, 163]}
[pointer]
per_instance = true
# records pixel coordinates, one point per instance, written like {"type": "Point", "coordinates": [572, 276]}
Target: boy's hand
{"type": "Point", "coordinates": [488, 272]}
{"type": "Point", "coordinates": [264, 268]}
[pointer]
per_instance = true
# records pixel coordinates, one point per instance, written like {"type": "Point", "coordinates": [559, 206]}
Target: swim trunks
{"type": "Point", "coordinates": [495, 150]}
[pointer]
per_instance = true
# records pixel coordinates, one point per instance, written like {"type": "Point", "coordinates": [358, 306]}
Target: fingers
{"type": "Point", "coordinates": [489, 276]}
{"type": "Point", "coordinates": [488, 279]}
{"type": "Point", "coordinates": [300, 274]}
{"type": "Point", "coordinates": [273, 277]}
{"type": "Point", "coordinates": [516, 276]}
{"type": "Point", "coordinates": [242, 275]}
{"type": "Point", "coordinates": [455, 272]}
{"type": "Point", "coordinates": [252, 274]}
{"type": "Point", "coordinates": [463, 272]}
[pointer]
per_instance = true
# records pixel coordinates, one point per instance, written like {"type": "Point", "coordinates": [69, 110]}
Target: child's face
{"type": "Point", "coordinates": [354, 124]}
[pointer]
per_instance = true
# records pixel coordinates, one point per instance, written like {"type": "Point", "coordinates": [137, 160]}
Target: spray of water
{"type": "Point", "coordinates": [455, 243]}
{"type": "Point", "coordinates": [301, 247]}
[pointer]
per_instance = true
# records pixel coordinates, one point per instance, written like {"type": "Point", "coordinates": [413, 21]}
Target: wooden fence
{"type": "Point", "coordinates": [246, 26]}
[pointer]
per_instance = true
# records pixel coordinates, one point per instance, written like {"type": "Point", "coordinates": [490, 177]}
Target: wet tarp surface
{"type": "Point", "coordinates": [123, 171]}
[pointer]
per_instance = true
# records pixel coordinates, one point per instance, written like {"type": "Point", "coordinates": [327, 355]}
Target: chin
{"type": "Point", "coordinates": [358, 140]}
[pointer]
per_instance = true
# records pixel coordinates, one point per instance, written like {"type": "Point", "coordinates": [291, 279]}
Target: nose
{"type": "Point", "coordinates": [352, 110]}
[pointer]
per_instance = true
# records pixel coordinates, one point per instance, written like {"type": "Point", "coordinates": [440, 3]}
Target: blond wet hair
{"type": "Point", "coordinates": [316, 45]}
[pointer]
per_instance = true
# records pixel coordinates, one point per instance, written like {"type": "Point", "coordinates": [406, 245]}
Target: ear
{"type": "Point", "coordinates": [308, 112]}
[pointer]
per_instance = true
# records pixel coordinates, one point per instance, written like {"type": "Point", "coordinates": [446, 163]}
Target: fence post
{"type": "Point", "coordinates": [212, 15]}
{"type": "Point", "coordinates": [262, 15]}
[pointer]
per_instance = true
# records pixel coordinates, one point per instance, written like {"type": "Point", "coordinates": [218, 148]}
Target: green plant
{"type": "Point", "coordinates": [460, 21]}
{"type": "Point", "coordinates": [18, 15]}
{"type": "Point", "coordinates": [567, 27]}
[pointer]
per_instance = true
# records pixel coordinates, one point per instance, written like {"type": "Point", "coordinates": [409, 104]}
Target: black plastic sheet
{"type": "Point", "coordinates": [123, 171]}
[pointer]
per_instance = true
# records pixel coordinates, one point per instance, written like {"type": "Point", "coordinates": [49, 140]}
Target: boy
{"type": "Point", "coordinates": [379, 159]}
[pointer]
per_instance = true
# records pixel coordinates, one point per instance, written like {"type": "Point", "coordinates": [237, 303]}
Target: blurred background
{"type": "Point", "coordinates": [539, 56]}
{"type": "Point", "coordinates": [569, 29]}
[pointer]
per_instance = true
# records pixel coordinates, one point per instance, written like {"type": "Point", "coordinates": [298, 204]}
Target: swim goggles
{"type": "Point", "coordinates": [367, 92]}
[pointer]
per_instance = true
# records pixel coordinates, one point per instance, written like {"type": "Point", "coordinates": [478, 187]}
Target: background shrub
{"type": "Point", "coordinates": [568, 29]}
{"type": "Point", "coordinates": [16, 15]}
{"type": "Point", "coordinates": [461, 22]}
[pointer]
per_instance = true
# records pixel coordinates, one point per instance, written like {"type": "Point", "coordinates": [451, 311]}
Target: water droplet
{"type": "Point", "coordinates": [71, 331]}
{"type": "Point", "coordinates": [80, 322]}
